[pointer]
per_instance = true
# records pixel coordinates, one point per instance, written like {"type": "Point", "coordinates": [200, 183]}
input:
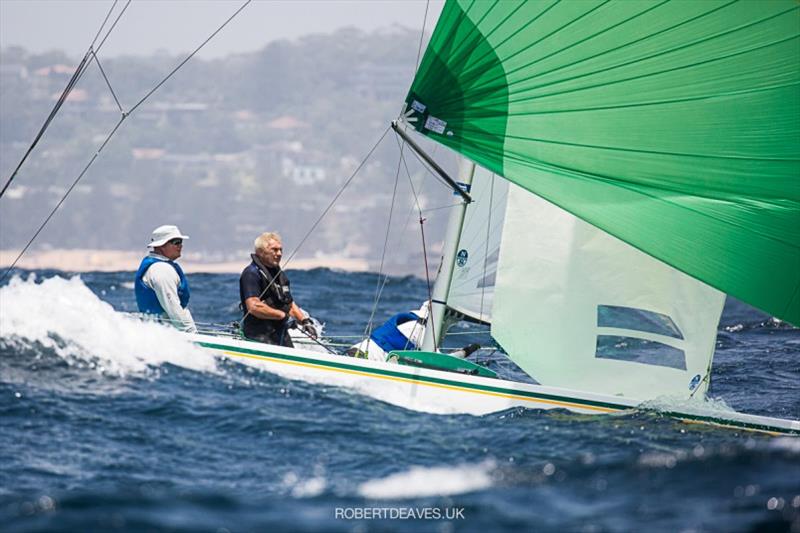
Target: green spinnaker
{"type": "Point", "coordinates": [674, 126]}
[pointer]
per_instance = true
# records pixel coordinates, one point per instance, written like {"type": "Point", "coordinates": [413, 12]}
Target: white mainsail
{"type": "Point", "coordinates": [472, 287]}
{"type": "Point", "coordinates": [575, 307]}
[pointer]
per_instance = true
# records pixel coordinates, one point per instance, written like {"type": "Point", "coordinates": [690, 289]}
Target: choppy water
{"type": "Point", "coordinates": [108, 424]}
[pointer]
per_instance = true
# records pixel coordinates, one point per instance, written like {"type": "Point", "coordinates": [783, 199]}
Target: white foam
{"type": "Point", "coordinates": [307, 488]}
{"type": "Point", "coordinates": [786, 444]}
{"type": "Point", "coordinates": [697, 406]}
{"type": "Point", "coordinates": [421, 482]}
{"type": "Point", "coordinates": [67, 317]}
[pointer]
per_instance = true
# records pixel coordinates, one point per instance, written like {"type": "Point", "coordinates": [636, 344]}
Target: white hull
{"type": "Point", "coordinates": [434, 391]}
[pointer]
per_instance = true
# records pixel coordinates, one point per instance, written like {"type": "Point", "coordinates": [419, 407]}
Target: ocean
{"type": "Point", "coordinates": [108, 424]}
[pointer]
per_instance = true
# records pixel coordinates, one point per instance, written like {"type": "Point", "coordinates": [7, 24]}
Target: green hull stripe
{"type": "Point", "coordinates": [500, 390]}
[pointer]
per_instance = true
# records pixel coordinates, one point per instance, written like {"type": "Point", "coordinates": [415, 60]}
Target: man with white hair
{"type": "Point", "coordinates": [161, 286]}
{"type": "Point", "coordinates": [266, 298]}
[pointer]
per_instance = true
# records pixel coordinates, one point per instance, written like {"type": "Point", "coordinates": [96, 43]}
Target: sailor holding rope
{"type": "Point", "coordinates": [267, 303]}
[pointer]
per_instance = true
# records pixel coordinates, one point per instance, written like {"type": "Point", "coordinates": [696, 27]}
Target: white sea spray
{"type": "Point", "coordinates": [420, 482]}
{"type": "Point", "coordinates": [64, 315]}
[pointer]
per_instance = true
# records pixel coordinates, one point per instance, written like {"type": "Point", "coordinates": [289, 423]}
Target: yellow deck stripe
{"type": "Point", "coordinates": [420, 382]}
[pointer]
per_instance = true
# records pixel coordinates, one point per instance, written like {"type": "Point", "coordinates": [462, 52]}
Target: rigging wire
{"type": "Point", "coordinates": [421, 36]}
{"type": "Point", "coordinates": [75, 77]}
{"type": "Point", "coordinates": [440, 208]}
{"type": "Point", "coordinates": [402, 160]}
{"type": "Point", "coordinates": [162, 82]}
{"type": "Point", "coordinates": [108, 33]}
{"type": "Point", "coordinates": [322, 216]}
{"type": "Point", "coordinates": [434, 174]}
{"type": "Point", "coordinates": [108, 83]}
{"type": "Point", "coordinates": [379, 286]}
{"type": "Point", "coordinates": [428, 281]}
{"type": "Point", "coordinates": [103, 25]}
{"type": "Point", "coordinates": [424, 246]}
{"type": "Point", "coordinates": [488, 237]}
{"type": "Point", "coordinates": [61, 99]}
{"type": "Point", "coordinates": [64, 197]}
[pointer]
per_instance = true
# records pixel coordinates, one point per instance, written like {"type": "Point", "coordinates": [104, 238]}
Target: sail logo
{"type": "Point", "coordinates": [462, 257]}
{"type": "Point", "coordinates": [638, 336]}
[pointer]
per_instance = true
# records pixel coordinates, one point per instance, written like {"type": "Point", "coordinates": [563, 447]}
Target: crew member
{"type": "Point", "coordinates": [161, 286]}
{"type": "Point", "coordinates": [402, 331]}
{"type": "Point", "coordinates": [267, 301]}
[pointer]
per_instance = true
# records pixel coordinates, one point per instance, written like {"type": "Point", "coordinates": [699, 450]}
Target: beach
{"type": "Point", "coordinates": [86, 260]}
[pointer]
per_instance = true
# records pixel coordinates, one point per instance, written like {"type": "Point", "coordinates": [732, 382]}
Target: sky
{"type": "Point", "coordinates": [177, 26]}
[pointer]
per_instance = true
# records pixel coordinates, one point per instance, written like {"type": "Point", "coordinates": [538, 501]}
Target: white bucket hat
{"type": "Point", "coordinates": [162, 234]}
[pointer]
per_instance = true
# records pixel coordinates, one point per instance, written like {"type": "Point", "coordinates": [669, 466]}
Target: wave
{"type": "Point", "coordinates": [421, 482]}
{"type": "Point", "coordinates": [698, 406]}
{"type": "Point", "coordinates": [64, 316]}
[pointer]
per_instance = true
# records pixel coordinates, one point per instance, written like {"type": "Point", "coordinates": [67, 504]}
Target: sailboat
{"type": "Point", "coordinates": [646, 157]}
{"type": "Point", "coordinates": [624, 167]}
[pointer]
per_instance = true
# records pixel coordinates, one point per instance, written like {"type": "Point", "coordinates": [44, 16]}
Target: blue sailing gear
{"type": "Point", "coordinates": [146, 297]}
{"type": "Point", "coordinates": [389, 338]}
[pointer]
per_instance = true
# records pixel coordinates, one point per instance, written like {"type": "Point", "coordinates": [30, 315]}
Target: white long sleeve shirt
{"type": "Point", "coordinates": [164, 280]}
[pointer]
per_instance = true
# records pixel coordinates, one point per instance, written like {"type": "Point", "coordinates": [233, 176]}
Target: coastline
{"type": "Point", "coordinates": [88, 260]}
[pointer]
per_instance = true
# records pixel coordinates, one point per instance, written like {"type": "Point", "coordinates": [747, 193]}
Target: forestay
{"type": "Point", "coordinates": [578, 308]}
{"type": "Point", "coordinates": [674, 126]}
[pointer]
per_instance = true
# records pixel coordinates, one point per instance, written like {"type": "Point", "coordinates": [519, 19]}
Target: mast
{"type": "Point", "coordinates": [441, 287]}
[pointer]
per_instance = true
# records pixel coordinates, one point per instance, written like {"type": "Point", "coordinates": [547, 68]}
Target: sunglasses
{"type": "Point", "coordinates": [176, 242]}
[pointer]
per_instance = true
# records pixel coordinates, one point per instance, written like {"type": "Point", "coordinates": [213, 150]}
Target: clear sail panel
{"type": "Point", "coordinates": [575, 307]}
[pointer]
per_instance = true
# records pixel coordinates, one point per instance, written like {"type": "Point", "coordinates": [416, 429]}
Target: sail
{"type": "Point", "coordinates": [472, 286]}
{"type": "Point", "coordinates": [674, 126]}
{"type": "Point", "coordinates": [579, 308]}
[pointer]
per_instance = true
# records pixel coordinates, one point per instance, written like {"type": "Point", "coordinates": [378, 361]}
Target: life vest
{"type": "Point", "coordinates": [389, 338]}
{"type": "Point", "coordinates": [277, 295]}
{"type": "Point", "coordinates": [146, 297]}
{"type": "Point", "coordinates": [274, 286]}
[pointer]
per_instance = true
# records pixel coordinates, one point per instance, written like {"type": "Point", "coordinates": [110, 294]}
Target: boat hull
{"type": "Point", "coordinates": [439, 392]}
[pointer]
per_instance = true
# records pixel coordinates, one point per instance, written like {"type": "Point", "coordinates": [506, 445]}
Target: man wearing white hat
{"type": "Point", "coordinates": [161, 286]}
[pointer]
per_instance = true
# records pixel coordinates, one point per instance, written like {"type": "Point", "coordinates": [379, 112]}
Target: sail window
{"type": "Point", "coordinates": [615, 316]}
{"type": "Point", "coordinates": [641, 351]}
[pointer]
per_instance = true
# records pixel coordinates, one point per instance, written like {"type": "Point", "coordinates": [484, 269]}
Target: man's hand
{"type": "Point", "coordinates": [308, 328]}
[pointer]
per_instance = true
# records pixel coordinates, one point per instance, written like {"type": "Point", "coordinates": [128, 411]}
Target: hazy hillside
{"type": "Point", "coordinates": [227, 148]}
